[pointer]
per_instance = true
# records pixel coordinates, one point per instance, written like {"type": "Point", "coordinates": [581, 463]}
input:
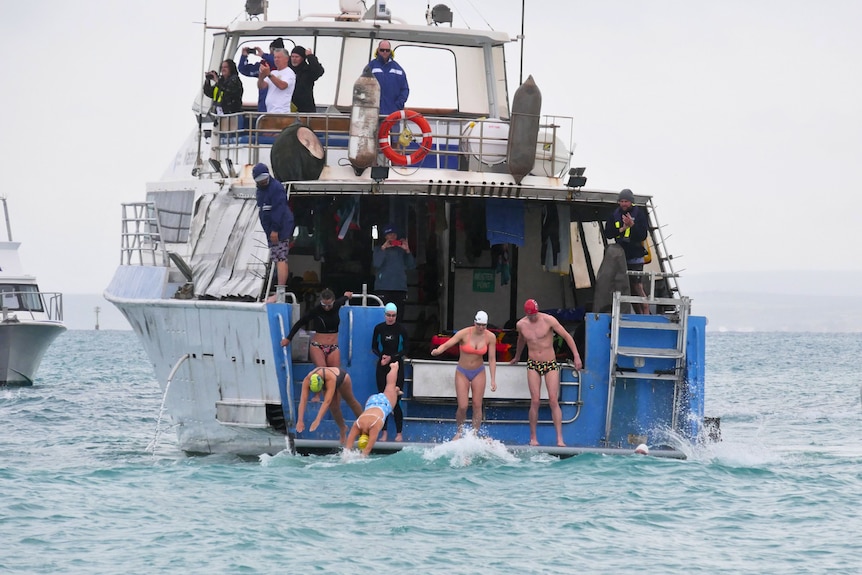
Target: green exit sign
{"type": "Point", "coordinates": [483, 280]}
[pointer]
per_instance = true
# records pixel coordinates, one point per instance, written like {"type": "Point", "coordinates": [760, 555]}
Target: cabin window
{"type": "Point", "coordinates": [328, 51]}
{"type": "Point", "coordinates": [431, 74]}
{"type": "Point", "coordinates": [21, 297]}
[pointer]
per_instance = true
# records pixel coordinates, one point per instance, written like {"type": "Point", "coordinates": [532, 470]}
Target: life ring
{"type": "Point", "coordinates": [405, 137]}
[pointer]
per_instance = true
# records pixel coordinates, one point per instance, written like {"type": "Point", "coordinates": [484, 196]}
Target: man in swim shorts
{"type": "Point", "coordinates": [536, 330]}
{"type": "Point", "coordinates": [378, 407]}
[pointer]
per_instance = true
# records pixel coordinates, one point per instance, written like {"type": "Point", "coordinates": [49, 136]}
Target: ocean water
{"type": "Point", "coordinates": [81, 493]}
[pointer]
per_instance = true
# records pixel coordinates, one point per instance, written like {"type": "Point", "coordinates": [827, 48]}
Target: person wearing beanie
{"type": "Point", "coordinates": [275, 218]}
{"type": "Point", "coordinates": [308, 69]}
{"type": "Point", "coordinates": [389, 343]}
{"type": "Point", "coordinates": [536, 330]}
{"type": "Point", "coordinates": [628, 227]}
{"type": "Point", "coordinates": [474, 343]}
{"type": "Point", "coordinates": [391, 260]}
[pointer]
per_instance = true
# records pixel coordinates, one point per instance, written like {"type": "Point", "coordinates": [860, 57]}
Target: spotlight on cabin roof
{"type": "Point", "coordinates": [254, 7]}
{"type": "Point", "coordinates": [576, 178]}
{"type": "Point", "coordinates": [440, 14]}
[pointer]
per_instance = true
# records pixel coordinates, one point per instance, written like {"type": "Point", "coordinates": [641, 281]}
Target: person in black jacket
{"type": "Point", "coordinates": [307, 68]}
{"type": "Point", "coordinates": [628, 226]}
{"type": "Point", "coordinates": [224, 89]}
{"type": "Point", "coordinates": [389, 344]}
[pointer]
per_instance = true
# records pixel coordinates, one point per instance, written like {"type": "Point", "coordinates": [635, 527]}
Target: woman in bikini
{"type": "Point", "coordinates": [335, 384]}
{"type": "Point", "coordinates": [378, 407]}
{"type": "Point", "coordinates": [474, 341]}
{"type": "Point", "coordinates": [323, 320]}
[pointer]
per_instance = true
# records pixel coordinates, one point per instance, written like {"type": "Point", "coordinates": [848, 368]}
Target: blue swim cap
{"type": "Point", "coordinates": [391, 307]}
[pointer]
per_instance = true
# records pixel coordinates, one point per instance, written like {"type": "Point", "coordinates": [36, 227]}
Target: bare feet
{"type": "Point", "coordinates": [561, 443]}
{"type": "Point", "coordinates": [457, 436]}
{"type": "Point", "coordinates": [398, 437]}
{"type": "Point", "coordinates": [383, 436]}
{"type": "Point", "coordinates": [534, 441]}
{"type": "Point", "coordinates": [315, 398]}
{"type": "Point", "coordinates": [342, 433]}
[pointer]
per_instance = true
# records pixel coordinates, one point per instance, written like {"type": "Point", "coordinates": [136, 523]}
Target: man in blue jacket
{"type": "Point", "coordinates": [392, 79]}
{"type": "Point", "coordinates": [275, 217]}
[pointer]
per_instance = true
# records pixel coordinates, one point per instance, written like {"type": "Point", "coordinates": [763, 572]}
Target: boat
{"type": "Point", "coordinates": [496, 214]}
{"type": "Point", "coordinates": [29, 319]}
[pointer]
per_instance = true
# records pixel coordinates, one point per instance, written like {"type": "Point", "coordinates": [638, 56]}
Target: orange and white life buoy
{"type": "Point", "coordinates": [404, 137]}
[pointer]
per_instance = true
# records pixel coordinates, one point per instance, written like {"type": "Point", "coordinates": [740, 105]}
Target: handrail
{"type": "Point", "coordinates": [158, 434]}
{"type": "Point", "coordinates": [49, 303]}
{"type": "Point", "coordinates": [288, 381]}
{"type": "Point", "coordinates": [448, 133]}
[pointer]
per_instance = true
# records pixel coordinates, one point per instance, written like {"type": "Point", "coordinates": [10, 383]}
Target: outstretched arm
{"type": "Point", "coordinates": [448, 343]}
{"type": "Point", "coordinates": [519, 348]}
{"type": "Point", "coordinates": [324, 407]}
{"type": "Point", "coordinates": [561, 331]}
{"type": "Point", "coordinates": [492, 359]}
{"type": "Point", "coordinates": [351, 437]}
{"type": "Point", "coordinates": [303, 399]}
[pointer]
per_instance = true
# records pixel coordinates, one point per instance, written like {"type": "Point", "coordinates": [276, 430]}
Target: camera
{"type": "Point", "coordinates": [252, 49]}
{"type": "Point", "coordinates": [396, 243]}
{"type": "Point", "coordinates": [212, 75]}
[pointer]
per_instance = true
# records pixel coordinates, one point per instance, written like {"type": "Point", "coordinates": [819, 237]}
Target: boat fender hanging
{"type": "Point", "coordinates": [364, 115]}
{"type": "Point", "coordinates": [405, 136]}
{"type": "Point", "coordinates": [524, 129]}
{"type": "Point", "coordinates": [297, 154]}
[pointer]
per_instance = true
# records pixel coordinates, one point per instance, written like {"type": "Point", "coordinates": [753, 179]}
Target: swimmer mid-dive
{"type": "Point", "coordinates": [378, 407]}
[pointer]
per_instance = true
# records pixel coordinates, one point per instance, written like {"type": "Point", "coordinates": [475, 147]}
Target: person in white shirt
{"type": "Point", "coordinates": [280, 82]}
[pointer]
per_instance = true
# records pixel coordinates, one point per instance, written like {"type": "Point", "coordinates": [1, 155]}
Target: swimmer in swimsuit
{"type": "Point", "coordinates": [336, 386]}
{"type": "Point", "coordinates": [542, 367]}
{"type": "Point", "coordinates": [389, 342]}
{"type": "Point", "coordinates": [474, 342]}
{"type": "Point", "coordinates": [323, 320]}
{"type": "Point", "coordinates": [536, 330]}
{"type": "Point", "coordinates": [378, 407]}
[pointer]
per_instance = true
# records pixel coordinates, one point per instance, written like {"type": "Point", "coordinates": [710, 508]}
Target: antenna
{"type": "Point", "coordinates": [521, 38]}
{"type": "Point", "coordinates": [198, 162]}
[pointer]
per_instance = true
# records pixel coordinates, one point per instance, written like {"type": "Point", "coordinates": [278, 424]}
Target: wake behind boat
{"type": "Point", "coordinates": [484, 194]}
{"type": "Point", "coordinates": [29, 319]}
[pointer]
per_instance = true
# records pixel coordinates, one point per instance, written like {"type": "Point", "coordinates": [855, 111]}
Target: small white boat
{"type": "Point", "coordinates": [29, 319]}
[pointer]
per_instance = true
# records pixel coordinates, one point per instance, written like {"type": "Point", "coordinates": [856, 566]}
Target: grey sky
{"type": "Point", "coordinates": [743, 118]}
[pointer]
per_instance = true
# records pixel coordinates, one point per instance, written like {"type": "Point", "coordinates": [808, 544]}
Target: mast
{"type": "Point", "coordinates": [521, 38]}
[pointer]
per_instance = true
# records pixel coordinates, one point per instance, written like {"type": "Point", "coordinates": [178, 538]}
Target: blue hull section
{"type": "Point", "coordinates": [643, 410]}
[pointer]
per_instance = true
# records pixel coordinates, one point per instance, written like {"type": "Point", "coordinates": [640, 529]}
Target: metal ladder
{"type": "Point", "coordinates": [678, 323]}
{"type": "Point", "coordinates": [660, 245]}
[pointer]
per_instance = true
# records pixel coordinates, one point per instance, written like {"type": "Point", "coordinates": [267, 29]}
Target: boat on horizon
{"type": "Point", "coordinates": [462, 173]}
{"type": "Point", "coordinates": [30, 319]}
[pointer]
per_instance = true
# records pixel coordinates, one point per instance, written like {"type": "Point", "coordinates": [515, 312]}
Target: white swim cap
{"type": "Point", "coordinates": [642, 449]}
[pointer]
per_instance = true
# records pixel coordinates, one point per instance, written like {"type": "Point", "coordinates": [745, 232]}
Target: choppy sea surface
{"type": "Point", "coordinates": [81, 493]}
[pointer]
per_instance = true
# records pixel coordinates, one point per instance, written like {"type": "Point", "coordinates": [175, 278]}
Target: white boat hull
{"type": "Point", "coordinates": [22, 346]}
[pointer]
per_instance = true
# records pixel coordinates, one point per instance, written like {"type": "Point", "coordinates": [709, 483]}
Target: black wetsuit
{"type": "Point", "coordinates": [390, 340]}
{"type": "Point", "coordinates": [320, 319]}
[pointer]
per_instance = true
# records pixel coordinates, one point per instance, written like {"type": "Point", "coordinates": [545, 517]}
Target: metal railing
{"type": "Point", "coordinates": [31, 305]}
{"type": "Point", "coordinates": [453, 138]}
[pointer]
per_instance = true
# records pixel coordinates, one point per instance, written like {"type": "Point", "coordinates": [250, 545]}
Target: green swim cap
{"type": "Point", "coordinates": [315, 384]}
